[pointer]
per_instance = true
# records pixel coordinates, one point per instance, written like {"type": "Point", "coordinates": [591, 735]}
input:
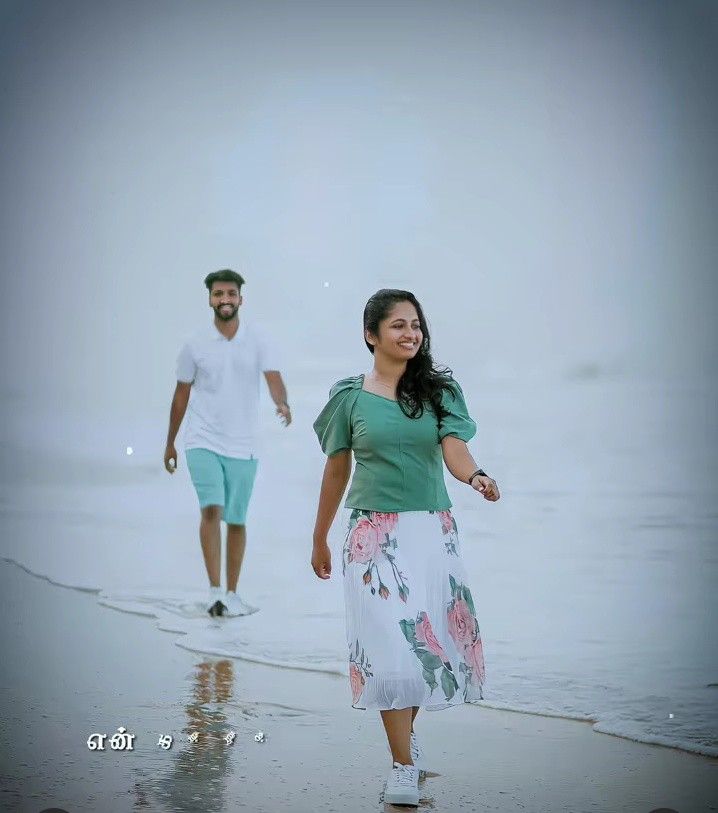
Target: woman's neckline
{"type": "Point", "coordinates": [376, 395]}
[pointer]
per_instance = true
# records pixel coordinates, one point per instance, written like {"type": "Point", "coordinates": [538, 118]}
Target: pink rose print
{"type": "Point", "coordinates": [447, 521]}
{"type": "Point", "coordinates": [359, 671]}
{"type": "Point", "coordinates": [385, 523]}
{"type": "Point", "coordinates": [462, 624]}
{"type": "Point", "coordinates": [474, 657]}
{"type": "Point", "coordinates": [364, 541]}
{"type": "Point", "coordinates": [425, 635]}
{"type": "Point", "coordinates": [371, 539]}
{"type": "Point", "coordinates": [357, 682]}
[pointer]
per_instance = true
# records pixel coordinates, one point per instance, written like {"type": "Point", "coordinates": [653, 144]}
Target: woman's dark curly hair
{"type": "Point", "coordinates": [422, 381]}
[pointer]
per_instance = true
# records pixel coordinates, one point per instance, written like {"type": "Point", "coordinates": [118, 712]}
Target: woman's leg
{"type": "Point", "coordinates": [397, 723]}
{"type": "Point", "coordinates": [414, 712]}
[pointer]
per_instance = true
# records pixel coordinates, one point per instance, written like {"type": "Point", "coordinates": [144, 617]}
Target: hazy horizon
{"type": "Point", "coordinates": [542, 175]}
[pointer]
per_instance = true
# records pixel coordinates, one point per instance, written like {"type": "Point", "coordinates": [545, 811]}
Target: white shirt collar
{"type": "Point", "coordinates": [217, 336]}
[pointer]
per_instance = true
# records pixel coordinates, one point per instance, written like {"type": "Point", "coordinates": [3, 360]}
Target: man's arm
{"type": "Point", "coordinates": [177, 411]}
{"type": "Point", "coordinates": [279, 394]}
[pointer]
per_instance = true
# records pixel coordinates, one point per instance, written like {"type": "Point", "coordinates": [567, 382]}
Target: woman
{"type": "Point", "coordinates": [412, 632]}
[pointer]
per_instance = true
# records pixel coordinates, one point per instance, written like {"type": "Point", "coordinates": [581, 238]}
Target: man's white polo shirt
{"type": "Point", "coordinates": [223, 410]}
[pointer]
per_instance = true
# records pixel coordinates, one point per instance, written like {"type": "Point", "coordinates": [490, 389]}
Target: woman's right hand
{"type": "Point", "coordinates": [322, 560]}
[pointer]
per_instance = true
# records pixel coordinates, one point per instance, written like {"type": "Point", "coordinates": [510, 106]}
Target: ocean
{"type": "Point", "coordinates": [594, 575]}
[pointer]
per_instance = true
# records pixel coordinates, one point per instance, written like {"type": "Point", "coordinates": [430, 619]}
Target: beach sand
{"type": "Point", "coordinates": [78, 668]}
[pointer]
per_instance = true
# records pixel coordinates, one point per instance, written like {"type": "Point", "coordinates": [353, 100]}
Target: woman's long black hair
{"type": "Point", "coordinates": [422, 380]}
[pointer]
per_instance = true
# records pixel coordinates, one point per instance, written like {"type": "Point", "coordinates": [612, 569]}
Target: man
{"type": "Point", "coordinates": [221, 368]}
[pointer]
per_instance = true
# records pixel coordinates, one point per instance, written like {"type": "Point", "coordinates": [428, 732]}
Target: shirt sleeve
{"type": "Point", "coordinates": [186, 366]}
{"type": "Point", "coordinates": [333, 425]}
{"type": "Point", "coordinates": [457, 422]}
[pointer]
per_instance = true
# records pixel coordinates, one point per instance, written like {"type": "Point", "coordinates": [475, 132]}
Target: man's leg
{"type": "Point", "coordinates": [211, 539]}
{"type": "Point", "coordinates": [236, 544]}
{"type": "Point", "coordinates": [205, 469]}
{"type": "Point", "coordinates": [239, 477]}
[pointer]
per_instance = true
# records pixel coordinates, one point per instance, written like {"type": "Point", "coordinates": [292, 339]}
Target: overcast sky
{"type": "Point", "coordinates": [544, 176]}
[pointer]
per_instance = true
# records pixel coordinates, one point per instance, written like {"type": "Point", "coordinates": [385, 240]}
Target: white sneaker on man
{"type": "Point", "coordinates": [402, 785]}
{"type": "Point", "coordinates": [215, 602]}
{"type": "Point", "coordinates": [236, 605]}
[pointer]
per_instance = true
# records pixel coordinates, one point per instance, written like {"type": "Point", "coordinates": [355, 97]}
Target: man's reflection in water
{"type": "Point", "coordinates": [198, 777]}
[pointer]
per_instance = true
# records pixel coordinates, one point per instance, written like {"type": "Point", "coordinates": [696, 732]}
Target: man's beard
{"type": "Point", "coordinates": [225, 317]}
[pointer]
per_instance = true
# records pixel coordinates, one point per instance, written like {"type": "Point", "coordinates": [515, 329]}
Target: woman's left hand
{"type": "Point", "coordinates": [487, 486]}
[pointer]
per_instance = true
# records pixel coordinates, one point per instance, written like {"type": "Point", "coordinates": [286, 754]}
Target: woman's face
{"type": "Point", "coordinates": [400, 333]}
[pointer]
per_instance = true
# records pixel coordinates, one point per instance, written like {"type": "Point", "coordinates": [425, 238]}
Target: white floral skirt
{"type": "Point", "coordinates": [411, 624]}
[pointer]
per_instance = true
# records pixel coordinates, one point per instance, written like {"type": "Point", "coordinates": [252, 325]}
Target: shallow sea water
{"type": "Point", "coordinates": [594, 575]}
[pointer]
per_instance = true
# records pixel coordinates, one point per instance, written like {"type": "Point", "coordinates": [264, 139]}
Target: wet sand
{"type": "Point", "coordinates": [72, 668]}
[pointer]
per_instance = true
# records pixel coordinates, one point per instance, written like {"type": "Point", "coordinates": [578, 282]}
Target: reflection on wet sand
{"type": "Point", "coordinates": [201, 768]}
{"type": "Point", "coordinates": [197, 774]}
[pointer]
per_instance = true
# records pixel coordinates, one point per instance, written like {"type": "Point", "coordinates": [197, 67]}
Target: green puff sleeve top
{"type": "Point", "coordinates": [399, 465]}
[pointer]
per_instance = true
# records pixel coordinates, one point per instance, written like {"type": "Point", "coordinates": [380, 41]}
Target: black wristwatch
{"type": "Point", "coordinates": [476, 474]}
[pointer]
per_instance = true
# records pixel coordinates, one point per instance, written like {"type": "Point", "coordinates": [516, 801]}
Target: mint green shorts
{"type": "Point", "coordinates": [225, 481]}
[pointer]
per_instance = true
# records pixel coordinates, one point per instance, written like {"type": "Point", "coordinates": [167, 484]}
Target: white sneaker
{"type": "Point", "coordinates": [417, 754]}
{"type": "Point", "coordinates": [215, 602]}
{"type": "Point", "coordinates": [236, 605]}
{"type": "Point", "coordinates": [402, 786]}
